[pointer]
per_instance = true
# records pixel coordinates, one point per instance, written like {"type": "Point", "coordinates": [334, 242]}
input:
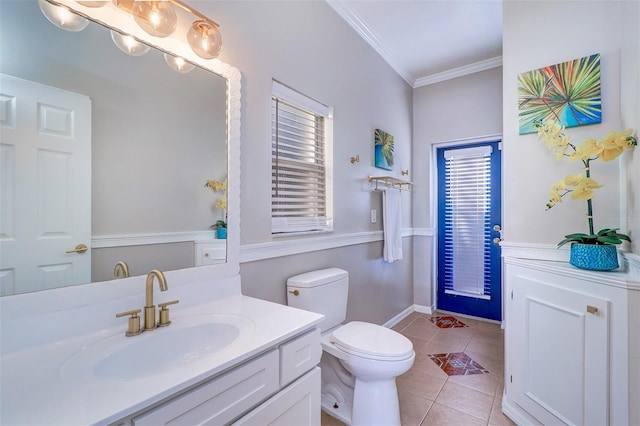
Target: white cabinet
{"type": "Point", "coordinates": [559, 371]}
{"type": "Point", "coordinates": [220, 400]}
{"type": "Point", "coordinates": [279, 387]}
{"type": "Point", "coordinates": [296, 405]}
{"type": "Point", "coordinates": [566, 345]}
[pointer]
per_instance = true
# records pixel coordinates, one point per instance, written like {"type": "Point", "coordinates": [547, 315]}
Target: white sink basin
{"type": "Point", "coordinates": [186, 341]}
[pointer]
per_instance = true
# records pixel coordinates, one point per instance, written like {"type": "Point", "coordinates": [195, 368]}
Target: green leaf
{"type": "Point", "coordinates": [565, 241]}
{"type": "Point", "coordinates": [605, 231]}
{"type": "Point", "coordinates": [578, 235]}
{"type": "Point", "coordinates": [609, 240]}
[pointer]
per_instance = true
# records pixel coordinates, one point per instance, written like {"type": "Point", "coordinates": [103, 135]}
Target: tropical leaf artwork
{"type": "Point", "coordinates": [568, 92]}
{"type": "Point", "coordinates": [383, 150]}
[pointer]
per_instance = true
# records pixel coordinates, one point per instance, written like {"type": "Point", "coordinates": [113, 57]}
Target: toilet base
{"type": "Point", "coordinates": [341, 412]}
{"type": "Point", "coordinates": [375, 403]}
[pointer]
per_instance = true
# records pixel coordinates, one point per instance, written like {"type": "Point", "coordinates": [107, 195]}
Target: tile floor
{"type": "Point", "coordinates": [428, 395]}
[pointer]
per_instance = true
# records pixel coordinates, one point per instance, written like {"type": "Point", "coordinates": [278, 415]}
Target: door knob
{"type": "Point", "coordinates": [497, 228]}
{"type": "Point", "coordinates": [497, 240]}
{"type": "Point", "coordinates": [80, 248]}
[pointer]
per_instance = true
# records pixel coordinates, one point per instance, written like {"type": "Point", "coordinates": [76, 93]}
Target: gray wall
{"type": "Point", "coordinates": [461, 108]}
{"type": "Point", "coordinates": [574, 30]}
{"type": "Point", "coordinates": [307, 46]}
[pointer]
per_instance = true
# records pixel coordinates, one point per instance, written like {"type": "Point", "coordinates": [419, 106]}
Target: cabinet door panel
{"type": "Point", "coordinates": [563, 370]}
{"type": "Point", "coordinates": [298, 404]}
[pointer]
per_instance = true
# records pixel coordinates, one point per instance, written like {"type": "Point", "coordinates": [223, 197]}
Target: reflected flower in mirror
{"type": "Point", "coordinates": [221, 203]}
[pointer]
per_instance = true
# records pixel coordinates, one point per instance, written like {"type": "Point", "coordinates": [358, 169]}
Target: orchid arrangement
{"type": "Point", "coordinates": [581, 186]}
{"type": "Point", "coordinates": [215, 186]}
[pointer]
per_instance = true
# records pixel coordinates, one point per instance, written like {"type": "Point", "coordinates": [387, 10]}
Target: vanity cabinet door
{"type": "Point", "coordinates": [298, 404]}
{"type": "Point", "coordinates": [222, 399]}
{"type": "Point", "coordinates": [299, 356]}
{"type": "Point", "coordinates": [557, 352]}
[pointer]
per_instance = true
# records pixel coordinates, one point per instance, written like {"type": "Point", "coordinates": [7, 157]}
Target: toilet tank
{"type": "Point", "coordinates": [323, 291]}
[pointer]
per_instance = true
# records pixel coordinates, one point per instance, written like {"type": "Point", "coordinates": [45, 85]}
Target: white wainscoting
{"type": "Point", "coordinates": [279, 248]}
{"type": "Point", "coordinates": [104, 241]}
{"type": "Point", "coordinates": [629, 262]}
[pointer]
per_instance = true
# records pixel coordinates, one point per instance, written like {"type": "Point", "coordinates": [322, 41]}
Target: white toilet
{"type": "Point", "coordinates": [360, 361]}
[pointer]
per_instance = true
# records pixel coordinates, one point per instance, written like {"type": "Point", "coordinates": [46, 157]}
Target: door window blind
{"type": "Point", "coordinates": [298, 163]}
{"type": "Point", "coordinates": [467, 221]}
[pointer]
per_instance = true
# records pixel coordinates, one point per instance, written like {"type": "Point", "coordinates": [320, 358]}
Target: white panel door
{"type": "Point", "coordinates": [560, 371]}
{"type": "Point", "coordinates": [45, 186]}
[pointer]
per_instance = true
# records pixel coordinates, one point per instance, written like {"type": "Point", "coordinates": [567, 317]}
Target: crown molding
{"type": "Point", "coordinates": [459, 72]}
{"type": "Point", "coordinates": [351, 17]}
{"type": "Point", "coordinates": [354, 21]}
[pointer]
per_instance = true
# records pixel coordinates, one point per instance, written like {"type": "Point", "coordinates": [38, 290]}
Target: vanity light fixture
{"type": "Point", "coordinates": [205, 39]}
{"type": "Point", "coordinates": [157, 18]}
{"type": "Point", "coordinates": [178, 64]}
{"type": "Point", "coordinates": [203, 36]}
{"type": "Point", "coordinates": [62, 17]}
{"type": "Point", "coordinates": [129, 44]}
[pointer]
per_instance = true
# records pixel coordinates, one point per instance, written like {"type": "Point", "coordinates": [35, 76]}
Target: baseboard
{"type": "Point", "coordinates": [516, 414]}
{"type": "Point", "coordinates": [424, 309]}
{"type": "Point", "coordinates": [396, 319]}
{"type": "Point", "coordinates": [469, 316]}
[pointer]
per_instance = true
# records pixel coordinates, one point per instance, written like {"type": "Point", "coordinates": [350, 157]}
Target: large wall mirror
{"type": "Point", "coordinates": [155, 137]}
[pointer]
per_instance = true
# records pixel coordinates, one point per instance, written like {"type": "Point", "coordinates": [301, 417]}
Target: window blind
{"type": "Point", "coordinates": [467, 222]}
{"type": "Point", "coordinates": [298, 166]}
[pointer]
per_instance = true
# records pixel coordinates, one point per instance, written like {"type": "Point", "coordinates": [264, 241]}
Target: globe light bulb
{"type": "Point", "coordinates": [178, 64]}
{"type": "Point", "coordinates": [128, 44]}
{"type": "Point", "coordinates": [62, 17]}
{"type": "Point", "coordinates": [205, 39]}
{"type": "Point", "coordinates": [155, 17]}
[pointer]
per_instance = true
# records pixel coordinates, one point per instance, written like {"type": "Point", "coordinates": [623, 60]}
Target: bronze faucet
{"type": "Point", "coordinates": [121, 267]}
{"type": "Point", "coordinates": [149, 308]}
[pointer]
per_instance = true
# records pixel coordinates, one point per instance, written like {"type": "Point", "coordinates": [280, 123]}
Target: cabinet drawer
{"type": "Point", "coordinates": [298, 404]}
{"type": "Point", "coordinates": [220, 400]}
{"type": "Point", "coordinates": [299, 356]}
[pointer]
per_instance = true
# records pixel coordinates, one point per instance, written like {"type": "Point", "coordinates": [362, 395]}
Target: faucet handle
{"type": "Point", "coordinates": [164, 313]}
{"type": "Point", "coordinates": [134, 322]}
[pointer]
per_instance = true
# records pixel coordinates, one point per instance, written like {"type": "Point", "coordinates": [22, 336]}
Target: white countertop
{"type": "Point", "coordinates": [34, 393]}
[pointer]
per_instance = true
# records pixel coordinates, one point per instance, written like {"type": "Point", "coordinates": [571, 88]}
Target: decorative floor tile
{"type": "Point", "coordinates": [457, 364]}
{"type": "Point", "coordinates": [447, 322]}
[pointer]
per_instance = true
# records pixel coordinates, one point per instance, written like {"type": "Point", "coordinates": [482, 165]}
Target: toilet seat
{"type": "Point", "coordinates": [372, 341]}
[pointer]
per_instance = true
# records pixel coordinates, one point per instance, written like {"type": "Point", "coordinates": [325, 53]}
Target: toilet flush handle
{"type": "Point", "coordinates": [295, 292]}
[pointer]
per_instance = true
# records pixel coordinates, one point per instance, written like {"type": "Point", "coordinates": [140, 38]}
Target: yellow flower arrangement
{"type": "Point", "coordinates": [582, 186]}
{"type": "Point", "coordinates": [217, 185]}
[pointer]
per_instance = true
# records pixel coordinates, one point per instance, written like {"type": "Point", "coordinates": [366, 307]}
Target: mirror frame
{"type": "Point", "coordinates": [111, 17]}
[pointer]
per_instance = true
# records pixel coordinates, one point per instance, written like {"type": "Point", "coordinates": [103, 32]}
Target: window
{"type": "Point", "coordinates": [467, 221]}
{"type": "Point", "coordinates": [301, 160]}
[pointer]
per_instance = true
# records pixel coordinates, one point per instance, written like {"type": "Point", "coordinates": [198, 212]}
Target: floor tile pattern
{"type": "Point", "coordinates": [447, 322]}
{"type": "Point", "coordinates": [430, 396]}
{"type": "Point", "coordinates": [457, 364]}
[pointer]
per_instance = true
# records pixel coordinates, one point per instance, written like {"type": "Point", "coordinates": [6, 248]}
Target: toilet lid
{"type": "Point", "coordinates": [372, 340]}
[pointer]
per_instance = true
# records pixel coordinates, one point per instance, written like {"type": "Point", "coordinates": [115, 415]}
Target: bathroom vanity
{"type": "Point", "coordinates": [230, 359]}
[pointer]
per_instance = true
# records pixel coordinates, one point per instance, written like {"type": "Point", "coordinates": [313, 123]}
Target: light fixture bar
{"type": "Point", "coordinates": [193, 12]}
{"type": "Point", "coordinates": [128, 6]}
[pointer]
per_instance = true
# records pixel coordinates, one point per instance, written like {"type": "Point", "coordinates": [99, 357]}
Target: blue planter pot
{"type": "Point", "coordinates": [221, 233]}
{"type": "Point", "coordinates": [594, 257]}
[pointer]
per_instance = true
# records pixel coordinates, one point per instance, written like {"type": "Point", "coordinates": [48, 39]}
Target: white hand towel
{"type": "Point", "coordinates": [392, 225]}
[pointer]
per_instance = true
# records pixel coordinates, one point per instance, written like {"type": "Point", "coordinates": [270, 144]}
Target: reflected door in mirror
{"type": "Point", "coordinates": [45, 187]}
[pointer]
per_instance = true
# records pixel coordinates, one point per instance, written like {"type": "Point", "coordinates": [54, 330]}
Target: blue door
{"type": "Point", "coordinates": [469, 212]}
